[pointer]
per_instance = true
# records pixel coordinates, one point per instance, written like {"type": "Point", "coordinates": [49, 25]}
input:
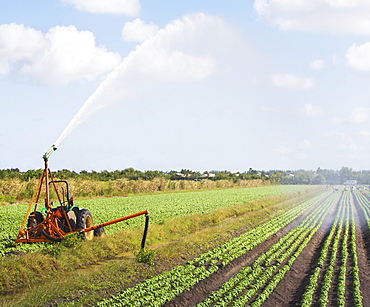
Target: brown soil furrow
{"type": "Point", "coordinates": [290, 289]}
{"type": "Point", "coordinates": [363, 252]}
{"type": "Point", "coordinates": [200, 291]}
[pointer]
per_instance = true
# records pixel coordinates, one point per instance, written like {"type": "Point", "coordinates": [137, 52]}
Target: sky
{"type": "Point", "coordinates": [170, 85]}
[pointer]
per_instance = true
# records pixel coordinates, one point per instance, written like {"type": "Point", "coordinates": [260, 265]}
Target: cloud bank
{"type": "Point", "coordinates": [310, 110]}
{"type": "Point", "coordinates": [118, 7]}
{"type": "Point", "coordinates": [358, 57]}
{"type": "Point", "coordinates": [188, 49]}
{"type": "Point", "coordinates": [292, 82]}
{"type": "Point", "coordinates": [55, 58]}
{"type": "Point", "coordinates": [335, 17]}
{"type": "Point", "coordinates": [138, 30]}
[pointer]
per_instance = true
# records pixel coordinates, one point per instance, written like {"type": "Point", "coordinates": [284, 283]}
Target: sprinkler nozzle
{"type": "Point", "coordinates": [49, 152]}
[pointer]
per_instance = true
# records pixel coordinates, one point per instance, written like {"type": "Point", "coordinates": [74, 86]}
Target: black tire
{"type": "Point", "coordinates": [72, 219]}
{"type": "Point", "coordinates": [99, 232]}
{"type": "Point", "coordinates": [84, 220]}
{"type": "Point", "coordinates": [34, 219]}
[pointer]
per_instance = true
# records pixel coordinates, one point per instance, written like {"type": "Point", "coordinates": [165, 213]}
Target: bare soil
{"type": "Point", "coordinates": [289, 291]}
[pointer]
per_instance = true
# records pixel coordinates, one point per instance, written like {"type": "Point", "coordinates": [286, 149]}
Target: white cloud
{"type": "Point", "coordinates": [138, 30]}
{"type": "Point", "coordinates": [342, 141]}
{"type": "Point", "coordinates": [305, 145]}
{"type": "Point", "coordinates": [292, 82]}
{"type": "Point", "coordinates": [173, 66]}
{"type": "Point", "coordinates": [311, 110]}
{"type": "Point", "coordinates": [61, 55]}
{"type": "Point", "coordinates": [365, 133]}
{"type": "Point", "coordinates": [334, 134]}
{"type": "Point", "coordinates": [332, 16]}
{"type": "Point", "coordinates": [360, 115]}
{"type": "Point", "coordinates": [18, 45]}
{"type": "Point", "coordinates": [267, 109]}
{"type": "Point", "coordinates": [337, 120]}
{"type": "Point", "coordinates": [119, 7]}
{"type": "Point", "coordinates": [348, 144]}
{"type": "Point", "coordinates": [282, 149]}
{"type": "Point", "coordinates": [358, 57]}
{"type": "Point", "coordinates": [301, 156]}
{"type": "Point", "coordinates": [317, 64]}
{"type": "Point", "coordinates": [185, 50]}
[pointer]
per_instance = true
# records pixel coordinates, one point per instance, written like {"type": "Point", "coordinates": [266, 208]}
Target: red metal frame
{"type": "Point", "coordinates": [48, 230]}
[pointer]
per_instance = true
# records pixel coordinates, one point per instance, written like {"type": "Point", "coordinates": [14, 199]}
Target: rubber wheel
{"type": "Point", "coordinates": [84, 220]}
{"type": "Point", "coordinates": [99, 232]}
{"type": "Point", "coordinates": [34, 219]}
{"type": "Point", "coordinates": [63, 224]}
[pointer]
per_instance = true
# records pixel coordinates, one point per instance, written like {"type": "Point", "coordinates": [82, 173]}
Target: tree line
{"type": "Point", "coordinates": [132, 174]}
{"type": "Point", "coordinates": [320, 176]}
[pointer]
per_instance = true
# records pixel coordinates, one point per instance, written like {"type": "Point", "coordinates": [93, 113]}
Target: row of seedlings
{"type": "Point", "coordinates": [166, 286]}
{"type": "Point", "coordinates": [238, 246]}
{"type": "Point", "coordinates": [334, 266]}
{"type": "Point", "coordinates": [253, 284]}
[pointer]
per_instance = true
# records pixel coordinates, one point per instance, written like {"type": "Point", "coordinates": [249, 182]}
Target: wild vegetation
{"type": "Point", "coordinates": [17, 186]}
{"type": "Point", "coordinates": [18, 191]}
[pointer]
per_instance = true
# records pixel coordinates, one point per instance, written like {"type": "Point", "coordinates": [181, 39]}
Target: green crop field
{"type": "Point", "coordinates": [335, 279]}
{"type": "Point", "coordinates": [262, 246]}
{"type": "Point", "coordinates": [161, 207]}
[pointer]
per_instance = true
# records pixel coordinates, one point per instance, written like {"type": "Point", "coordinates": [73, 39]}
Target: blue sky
{"type": "Point", "coordinates": [201, 85]}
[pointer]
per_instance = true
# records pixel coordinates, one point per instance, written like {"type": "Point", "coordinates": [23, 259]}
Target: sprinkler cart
{"type": "Point", "coordinates": [52, 224]}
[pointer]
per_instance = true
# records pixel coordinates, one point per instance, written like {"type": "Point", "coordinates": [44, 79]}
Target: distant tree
{"type": "Point", "coordinates": [303, 177]}
{"type": "Point", "coordinates": [276, 177]}
{"type": "Point", "coordinates": [345, 174]}
{"type": "Point", "coordinates": [65, 174]}
{"type": "Point", "coordinates": [223, 175]}
{"type": "Point", "coordinates": [10, 173]}
{"type": "Point", "coordinates": [331, 176]}
{"type": "Point", "coordinates": [318, 179]}
{"type": "Point", "coordinates": [150, 175]}
{"type": "Point", "coordinates": [31, 174]}
{"type": "Point", "coordinates": [253, 174]}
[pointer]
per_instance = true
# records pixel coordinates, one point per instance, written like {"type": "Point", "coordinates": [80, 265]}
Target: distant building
{"type": "Point", "coordinates": [350, 182]}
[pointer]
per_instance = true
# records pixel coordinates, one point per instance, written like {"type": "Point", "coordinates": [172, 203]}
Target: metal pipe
{"type": "Point", "coordinates": [47, 190]}
{"type": "Point", "coordinates": [114, 221]}
{"type": "Point", "coordinates": [67, 190]}
{"type": "Point", "coordinates": [145, 231]}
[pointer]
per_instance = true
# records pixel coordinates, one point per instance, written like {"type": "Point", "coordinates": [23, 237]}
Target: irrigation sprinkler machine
{"type": "Point", "coordinates": [52, 223]}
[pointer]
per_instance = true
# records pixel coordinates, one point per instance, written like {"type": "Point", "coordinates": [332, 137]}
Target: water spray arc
{"type": "Point", "coordinates": [91, 104]}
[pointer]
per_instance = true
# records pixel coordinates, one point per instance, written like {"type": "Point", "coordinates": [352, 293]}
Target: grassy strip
{"type": "Point", "coordinates": [40, 278]}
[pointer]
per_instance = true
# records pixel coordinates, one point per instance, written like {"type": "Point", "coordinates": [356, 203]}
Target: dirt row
{"type": "Point", "coordinates": [289, 291]}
